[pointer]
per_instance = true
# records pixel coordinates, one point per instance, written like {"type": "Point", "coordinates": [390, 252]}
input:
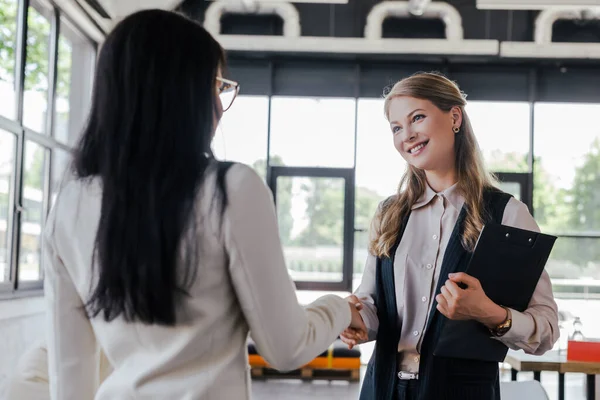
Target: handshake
{"type": "Point", "coordinates": [356, 333]}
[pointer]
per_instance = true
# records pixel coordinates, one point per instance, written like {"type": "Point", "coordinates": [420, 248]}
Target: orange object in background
{"type": "Point", "coordinates": [588, 351]}
{"type": "Point", "coordinates": [257, 361]}
{"type": "Point", "coordinates": [318, 363]}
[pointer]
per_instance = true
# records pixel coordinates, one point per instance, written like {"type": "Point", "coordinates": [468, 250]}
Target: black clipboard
{"type": "Point", "coordinates": [508, 262]}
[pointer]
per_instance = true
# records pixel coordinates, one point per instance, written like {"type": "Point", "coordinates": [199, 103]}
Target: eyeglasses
{"type": "Point", "coordinates": [228, 91]}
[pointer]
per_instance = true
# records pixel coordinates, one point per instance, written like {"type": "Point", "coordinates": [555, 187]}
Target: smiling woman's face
{"type": "Point", "coordinates": [423, 133]}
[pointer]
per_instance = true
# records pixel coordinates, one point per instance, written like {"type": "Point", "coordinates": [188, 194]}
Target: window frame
{"type": "Point", "coordinates": [13, 288]}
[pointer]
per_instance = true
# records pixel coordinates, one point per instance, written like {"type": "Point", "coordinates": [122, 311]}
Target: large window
{"type": "Point", "coordinates": [502, 130]}
{"type": "Point", "coordinates": [567, 203]}
{"type": "Point", "coordinates": [39, 23]}
{"type": "Point", "coordinates": [73, 83]}
{"type": "Point", "coordinates": [32, 219]}
{"type": "Point", "coordinates": [8, 41]}
{"type": "Point", "coordinates": [379, 168]}
{"type": "Point", "coordinates": [242, 134]}
{"type": "Point", "coordinates": [7, 170]}
{"type": "Point", "coordinates": [312, 132]}
{"type": "Point", "coordinates": [53, 94]}
{"type": "Point", "coordinates": [567, 184]}
{"type": "Point", "coordinates": [310, 212]}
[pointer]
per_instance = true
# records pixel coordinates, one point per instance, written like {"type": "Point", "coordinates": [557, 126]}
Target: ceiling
{"type": "Point", "coordinates": [535, 4]}
{"type": "Point", "coordinates": [97, 17]}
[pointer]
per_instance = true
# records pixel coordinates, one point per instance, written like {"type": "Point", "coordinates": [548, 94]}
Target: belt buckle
{"type": "Point", "coordinates": [406, 376]}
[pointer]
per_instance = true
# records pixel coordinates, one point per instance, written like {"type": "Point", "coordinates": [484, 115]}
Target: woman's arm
{"type": "Point", "coordinates": [286, 334]}
{"type": "Point", "coordinates": [71, 342]}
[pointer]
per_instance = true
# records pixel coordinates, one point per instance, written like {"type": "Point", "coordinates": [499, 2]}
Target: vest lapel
{"type": "Point", "coordinates": [388, 334]}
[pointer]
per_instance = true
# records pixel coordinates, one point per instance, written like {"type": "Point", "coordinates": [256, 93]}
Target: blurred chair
{"type": "Point", "coordinates": [530, 390]}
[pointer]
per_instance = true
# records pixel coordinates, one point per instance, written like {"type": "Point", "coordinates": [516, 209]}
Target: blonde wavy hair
{"type": "Point", "coordinates": [473, 179]}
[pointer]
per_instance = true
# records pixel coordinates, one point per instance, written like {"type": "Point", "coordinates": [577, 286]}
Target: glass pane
{"type": "Point", "coordinates": [310, 213]}
{"type": "Point", "coordinates": [36, 69]}
{"type": "Point", "coordinates": [575, 272]}
{"type": "Point", "coordinates": [8, 46]}
{"type": "Point", "coordinates": [567, 176]}
{"type": "Point", "coordinates": [513, 188]}
{"type": "Point", "coordinates": [242, 133]}
{"type": "Point", "coordinates": [375, 152]}
{"type": "Point", "coordinates": [575, 258]}
{"type": "Point", "coordinates": [7, 170]}
{"type": "Point", "coordinates": [73, 83]}
{"type": "Point", "coordinates": [502, 130]}
{"type": "Point", "coordinates": [315, 132]}
{"type": "Point", "coordinates": [33, 217]}
{"type": "Point", "coordinates": [60, 161]}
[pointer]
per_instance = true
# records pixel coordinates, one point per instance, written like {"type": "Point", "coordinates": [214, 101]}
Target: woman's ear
{"type": "Point", "coordinates": [457, 116]}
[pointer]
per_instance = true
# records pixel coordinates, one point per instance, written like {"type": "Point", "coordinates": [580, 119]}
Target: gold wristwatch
{"type": "Point", "coordinates": [504, 327]}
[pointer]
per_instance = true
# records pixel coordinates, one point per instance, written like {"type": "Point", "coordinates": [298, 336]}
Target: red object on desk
{"type": "Point", "coordinates": [583, 351]}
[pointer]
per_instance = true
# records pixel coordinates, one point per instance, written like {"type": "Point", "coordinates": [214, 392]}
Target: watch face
{"type": "Point", "coordinates": [503, 330]}
{"type": "Point", "coordinates": [505, 327]}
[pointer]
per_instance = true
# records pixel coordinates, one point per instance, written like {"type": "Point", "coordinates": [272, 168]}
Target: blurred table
{"type": "Point", "coordinates": [553, 361]}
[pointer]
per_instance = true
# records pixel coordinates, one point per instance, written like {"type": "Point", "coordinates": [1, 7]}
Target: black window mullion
{"type": "Point", "coordinates": [52, 71]}
{"type": "Point", "coordinates": [21, 59]}
{"type": "Point", "coordinates": [269, 111]}
{"type": "Point", "coordinates": [17, 209]}
{"type": "Point", "coordinates": [533, 89]}
{"type": "Point", "coordinates": [348, 239]}
{"type": "Point", "coordinates": [47, 192]}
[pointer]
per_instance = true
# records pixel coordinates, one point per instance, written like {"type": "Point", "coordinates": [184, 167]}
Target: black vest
{"type": "Point", "coordinates": [439, 378]}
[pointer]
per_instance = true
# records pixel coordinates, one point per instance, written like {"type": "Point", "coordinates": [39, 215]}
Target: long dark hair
{"type": "Point", "coordinates": [148, 139]}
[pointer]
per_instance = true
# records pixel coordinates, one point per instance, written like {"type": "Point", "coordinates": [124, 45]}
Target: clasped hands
{"type": "Point", "coordinates": [454, 302]}
{"type": "Point", "coordinates": [357, 331]}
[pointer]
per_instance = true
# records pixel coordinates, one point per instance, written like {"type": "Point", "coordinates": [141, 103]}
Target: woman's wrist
{"type": "Point", "coordinates": [493, 315]}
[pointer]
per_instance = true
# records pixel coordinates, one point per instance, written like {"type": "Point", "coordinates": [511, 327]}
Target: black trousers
{"type": "Point", "coordinates": [407, 390]}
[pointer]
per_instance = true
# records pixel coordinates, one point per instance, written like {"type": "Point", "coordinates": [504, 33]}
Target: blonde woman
{"type": "Point", "coordinates": [420, 241]}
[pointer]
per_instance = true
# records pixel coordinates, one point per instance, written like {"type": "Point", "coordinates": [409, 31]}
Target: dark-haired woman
{"type": "Point", "coordinates": [162, 255]}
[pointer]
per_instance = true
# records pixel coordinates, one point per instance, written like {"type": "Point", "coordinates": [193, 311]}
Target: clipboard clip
{"type": "Point", "coordinates": [521, 240]}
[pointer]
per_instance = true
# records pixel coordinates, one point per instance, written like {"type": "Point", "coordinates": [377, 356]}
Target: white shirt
{"type": "Point", "coordinates": [242, 283]}
{"type": "Point", "coordinates": [417, 264]}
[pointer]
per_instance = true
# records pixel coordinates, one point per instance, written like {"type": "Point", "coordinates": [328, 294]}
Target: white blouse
{"type": "Point", "coordinates": [242, 284]}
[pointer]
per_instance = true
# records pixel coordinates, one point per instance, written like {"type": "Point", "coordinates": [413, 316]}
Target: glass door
{"type": "Point", "coordinates": [315, 211]}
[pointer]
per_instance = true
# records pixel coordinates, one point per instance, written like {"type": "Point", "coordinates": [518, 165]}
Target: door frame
{"type": "Point", "coordinates": [525, 180]}
{"type": "Point", "coordinates": [273, 172]}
